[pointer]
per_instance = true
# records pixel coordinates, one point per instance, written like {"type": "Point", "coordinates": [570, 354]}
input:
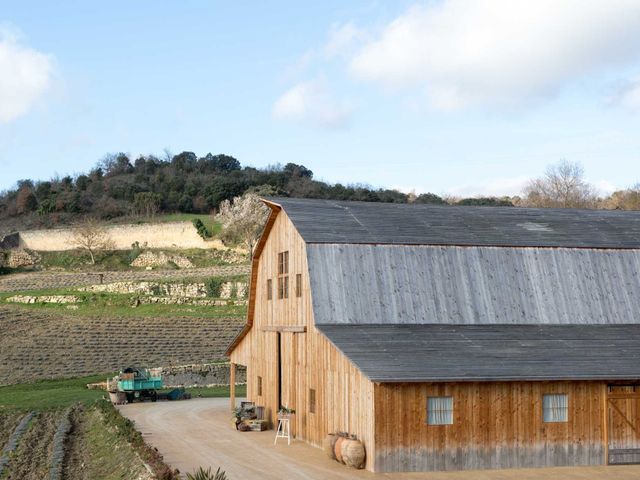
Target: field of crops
{"type": "Point", "coordinates": [38, 345]}
{"type": "Point", "coordinates": [71, 443]}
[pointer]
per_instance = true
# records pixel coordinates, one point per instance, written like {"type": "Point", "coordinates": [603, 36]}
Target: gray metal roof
{"type": "Point", "coordinates": [390, 284]}
{"type": "Point", "coordinates": [421, 353]}
{"type": "Point", "coordinates": [330, 221]}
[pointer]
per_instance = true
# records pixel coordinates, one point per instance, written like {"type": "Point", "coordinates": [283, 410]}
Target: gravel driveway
{"type": "Point", "coordinates": [198, 432]}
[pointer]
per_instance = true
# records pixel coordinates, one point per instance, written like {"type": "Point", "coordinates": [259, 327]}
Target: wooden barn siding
{"type": "Point", "coordinates": [496, 425]}
{"type": "Point", "coordinates": [473, 285]}
{"type": "Point", "coordinates": [344, 397]}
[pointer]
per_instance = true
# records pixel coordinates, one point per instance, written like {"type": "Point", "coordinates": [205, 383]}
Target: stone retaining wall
{"type": "Point", "coordinates": [189, 290]}
{"type": "Point", "coordinates": [22, 258]}
{"type": "Point", "coordinates": [152, 235]}
{"type": "Point", "coordinates": [207, 374]}
{"type": "Point", "coordinates": [59, 299]}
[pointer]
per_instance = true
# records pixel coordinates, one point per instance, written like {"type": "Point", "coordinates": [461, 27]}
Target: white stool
{"type": "Point", "coordinates": [284, 430]}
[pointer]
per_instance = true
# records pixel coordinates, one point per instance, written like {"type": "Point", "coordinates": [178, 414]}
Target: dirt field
{"type": "Point", "coordinates": [198, 433]}
{"type": "Point", "coordinates": [32, 459]}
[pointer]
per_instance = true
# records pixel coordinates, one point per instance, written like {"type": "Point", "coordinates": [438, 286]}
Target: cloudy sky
{"type": "Point", "coordinates": [460, 97]}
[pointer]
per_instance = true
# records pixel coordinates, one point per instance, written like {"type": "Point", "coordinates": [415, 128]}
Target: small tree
{"type": "Point", "coordinates": [91, 236]}
{"type": "Point", "coordinates": [243, 220]}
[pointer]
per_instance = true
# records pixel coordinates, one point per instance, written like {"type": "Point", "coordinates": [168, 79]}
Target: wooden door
{"type": "Point", "coordinates": [288, 374]}
{"type": "Point", "coordinates": [623, 423]}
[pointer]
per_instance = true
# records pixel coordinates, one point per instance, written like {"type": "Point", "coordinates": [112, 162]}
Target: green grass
{"type": "Point", "coordinates": [109, 455]}
{"type": "Point", "coordinates": [52, 394]}
{"type": "Point", "coordinates": [75, 260]}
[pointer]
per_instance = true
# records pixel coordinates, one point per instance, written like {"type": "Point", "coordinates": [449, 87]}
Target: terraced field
{"type": "Point", "coordinates": [43, 280]}
{"type": "Point", "coordinates": [38, 344]}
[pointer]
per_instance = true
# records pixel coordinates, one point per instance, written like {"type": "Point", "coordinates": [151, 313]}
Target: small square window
{"type": "Point", "coordinates": [439, 410]}
{"type": "Point", "coordinates": [298, 285]}
{"type": "Point", "coordinates": [269, 289]}
{"type": "Point", "coordinates": [312, 400]}
{"type": "Point", "coordinates": [555, 407]}
{"type": "Point", "coordinates": [259, 387]}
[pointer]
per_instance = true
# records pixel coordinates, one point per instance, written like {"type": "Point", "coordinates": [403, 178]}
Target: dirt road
{"type": "Point", "coordinates": [198, 432]}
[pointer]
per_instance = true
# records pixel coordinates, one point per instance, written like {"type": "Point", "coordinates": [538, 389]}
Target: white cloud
{"type": "Point", "coordinates": [342, 39]}
{"type": "Point", "coordinates": [629, 95]}
{"type": "Point", "coordinates": [500, 53]}
{"type": "Point", "coordinates": [25, 74]}
{"type": "Point", "coordinates": [312, 103]}
{"type": "Point", "coordinates": [605, 187]}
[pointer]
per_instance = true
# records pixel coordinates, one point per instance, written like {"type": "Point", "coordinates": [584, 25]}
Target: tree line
{"type": "Point", "coordinates": [119, 186]}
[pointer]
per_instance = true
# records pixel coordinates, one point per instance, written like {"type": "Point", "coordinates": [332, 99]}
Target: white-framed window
{"type": "Point", "coordinates": [555, 407]}
{"type": "Point", "coordinates": [439, 410]}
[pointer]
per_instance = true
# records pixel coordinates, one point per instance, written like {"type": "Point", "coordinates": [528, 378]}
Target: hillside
{"type": "Point", "coordinates": [120, 186]}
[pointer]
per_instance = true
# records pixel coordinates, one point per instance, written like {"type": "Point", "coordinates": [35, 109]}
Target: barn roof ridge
{"type": "Point", "coordinates": [353, 222]}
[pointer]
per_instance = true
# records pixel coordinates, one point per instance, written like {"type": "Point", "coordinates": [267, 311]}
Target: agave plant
{"type": "Point", "coordinates": [202, 474]}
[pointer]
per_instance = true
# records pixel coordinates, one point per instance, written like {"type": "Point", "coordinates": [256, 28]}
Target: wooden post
{"type": "Point", "coordinates": [232, 385]}
{"type": "Point", "coordinates": [605, 422]}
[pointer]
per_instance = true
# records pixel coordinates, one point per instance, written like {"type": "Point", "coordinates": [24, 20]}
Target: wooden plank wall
{"type": "Point", "coordinates": [344, 397]}
{"type": "Point", "coordinates": [496, 425]}
{"type": "Point", "coordinates": [624, 424]}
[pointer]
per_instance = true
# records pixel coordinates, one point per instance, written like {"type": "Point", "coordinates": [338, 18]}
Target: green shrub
{"type": "Point", "coordinates": [134, 252]}
{"type": "Point", "coordinates": [202, 474]}
{"type": "Point", "coordinates": [214, 285]}
{"type": "Point", "coordinates": [202, 229]}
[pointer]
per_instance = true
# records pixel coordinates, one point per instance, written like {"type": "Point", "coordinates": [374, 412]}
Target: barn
{"type": "Point", "coordinates": [449, 338]}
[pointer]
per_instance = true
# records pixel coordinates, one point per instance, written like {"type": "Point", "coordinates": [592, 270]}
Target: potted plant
{"type": "Point", "coordinates": [285, 412]}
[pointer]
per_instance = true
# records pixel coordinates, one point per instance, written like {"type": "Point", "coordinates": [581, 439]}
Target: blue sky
{"type": "Point", "coordinates": [452, 96]}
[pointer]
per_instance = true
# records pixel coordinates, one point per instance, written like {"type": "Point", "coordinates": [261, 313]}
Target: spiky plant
{"type": "Point", "coordinates": [202, 474]}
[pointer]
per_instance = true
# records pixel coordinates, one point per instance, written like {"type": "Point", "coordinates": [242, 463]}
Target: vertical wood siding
{"type": "Point", "coordinates": [400, 284]}
{"type": "Point", "coordinates": [495, 425]}
{"type": "Point", "coordinates": [344, 396]}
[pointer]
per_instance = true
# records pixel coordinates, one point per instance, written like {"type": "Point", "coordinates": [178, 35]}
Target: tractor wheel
{"type": "Point", "coordinates": [130, 397]}
{"type": "Point", "coordinates": [154, 396]}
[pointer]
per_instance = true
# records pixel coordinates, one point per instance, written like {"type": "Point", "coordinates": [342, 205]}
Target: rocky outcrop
{"type": "Point", "coordinates": [161, 259]}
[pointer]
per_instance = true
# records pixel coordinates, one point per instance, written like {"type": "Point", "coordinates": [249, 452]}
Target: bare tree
{"type": "Point", "coordinates": [91, 236]}
{"type": "Point", "coordinates": [563, 186]}
{"type": "Point", "coordinates": [146, 204]}
{"type": "Point", "coordinates": [243, 220]}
